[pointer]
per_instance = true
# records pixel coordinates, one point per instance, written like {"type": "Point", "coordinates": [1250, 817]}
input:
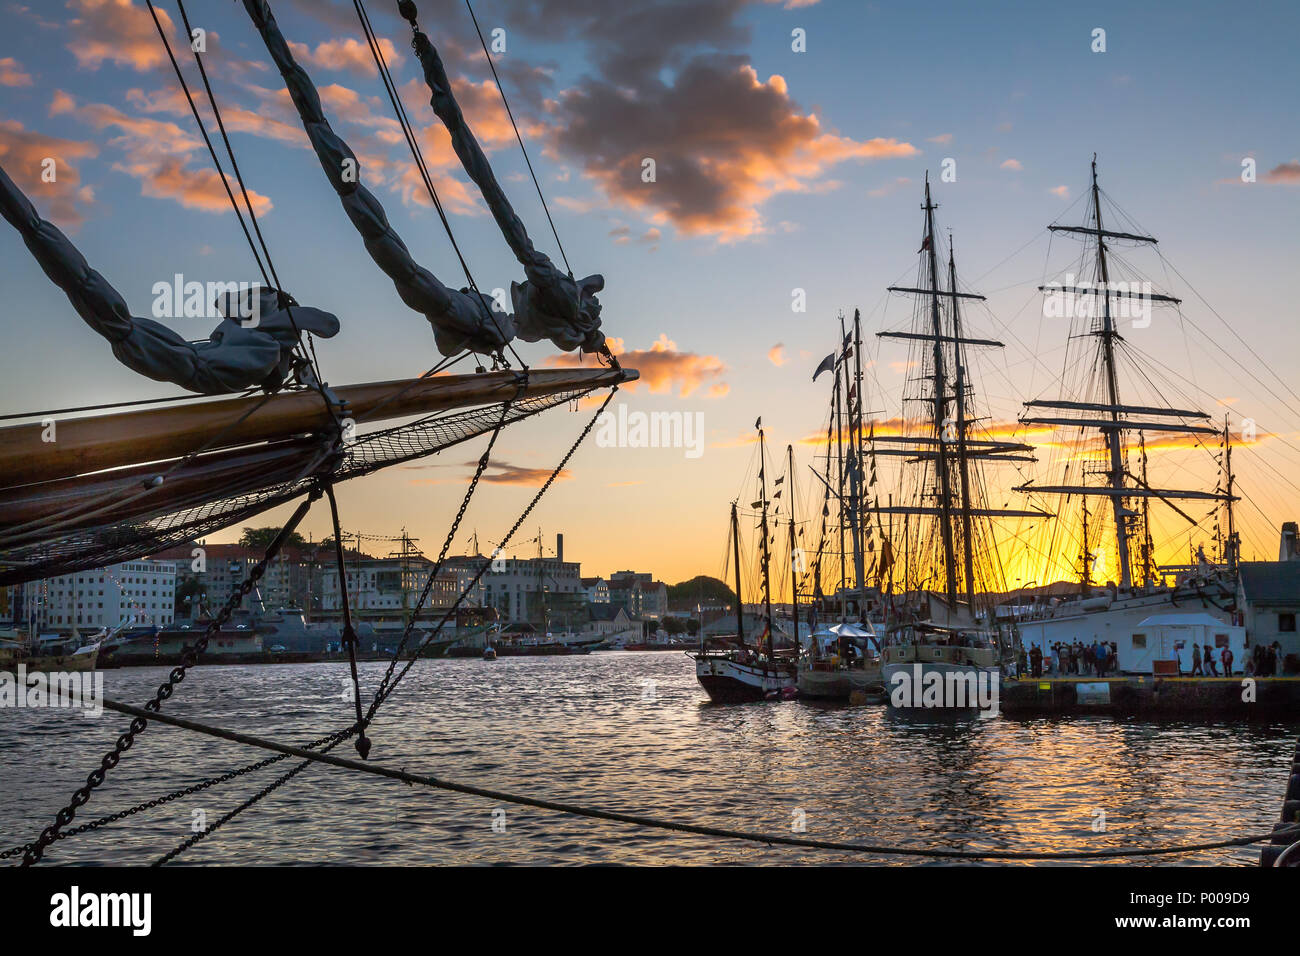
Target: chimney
{"type": "Point", "coordinates": [1288, 550]}
{"type": "Point", "coordinates": [559, 547]}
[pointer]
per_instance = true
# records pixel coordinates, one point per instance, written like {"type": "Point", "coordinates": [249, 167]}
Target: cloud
{"type": "Point", "coordinates": [662, 367]}
{"type": "Point", "coordinates": [943, 139]}
{"type": "Point", "coordinates": [157, 153]}
{"type": "Point", "coordinates": [623, 484]}
{"type": "Point", "coordinates": [346, 54]}
{"type": "Point", "coordinates": [118, 32]}
{"type": "Point", "coordinates": [507, 474]}
{"type": "Point", "coordinates": [1287, 174]}
{"type": "Point", "coordinates": [776, 354]}
{"type": "Point", "coordinates": [22, 152]}
{"type": "Point", "coordinates": [1012, 164]}
{"type": "Point", "coordinates": [11, 73]}
{"type": "Point", "coordinates": [1061, 191]}
{"type": "Point", "coordinates": [889, 188]}
{"type": "Point", "coordinates": [723, 142]}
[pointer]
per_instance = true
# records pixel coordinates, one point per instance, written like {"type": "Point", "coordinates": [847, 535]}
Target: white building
{"type": "Point", "coordinates": [133, 592]}
{"type": "Point", "coordinates": [597, 590]}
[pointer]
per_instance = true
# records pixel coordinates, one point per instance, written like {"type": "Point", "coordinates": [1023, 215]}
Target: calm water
{"type": "Point", "coordinates": [627, 731]}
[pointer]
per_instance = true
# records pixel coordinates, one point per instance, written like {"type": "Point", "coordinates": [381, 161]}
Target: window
{"type": "Point", "coordinates": [1286, 623]}
{"type": "Point", "coordinates": [1139, 641]}
{"type": "Point", "coordinates": [1220, 640]}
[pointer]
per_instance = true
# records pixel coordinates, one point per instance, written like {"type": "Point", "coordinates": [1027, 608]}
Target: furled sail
{"type": "Point", "coordinates": [237, 355]}
{"type": "Point", "coordinates": [549, 304]}
{"type": "Point", "coordinates": [461, 320]}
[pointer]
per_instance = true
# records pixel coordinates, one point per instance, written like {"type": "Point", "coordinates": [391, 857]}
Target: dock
{"type": "Point", "coordinates": [1290, 817]}
{"type": "Point", "coordinates": [1235, 696]}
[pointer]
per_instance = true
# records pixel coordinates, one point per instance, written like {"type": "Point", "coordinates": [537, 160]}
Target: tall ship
{"type": "Point", "coordinates": [741, 670]}
{"type": "Point", "coordinates": [941, 617]}
{"type": "Point", "coordinates": [1109, 409]}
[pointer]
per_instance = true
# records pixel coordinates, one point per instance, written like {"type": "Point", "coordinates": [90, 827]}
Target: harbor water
{"type": "Point", "coordinates": [627, 731]}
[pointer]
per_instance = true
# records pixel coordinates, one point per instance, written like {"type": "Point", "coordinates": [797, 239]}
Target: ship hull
{"type": "Point", "coordinates": [728, 681]}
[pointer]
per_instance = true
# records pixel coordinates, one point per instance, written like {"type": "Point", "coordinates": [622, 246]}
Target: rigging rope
{"type": "Point", "coordinates": [408, 131]}
{"type": "Point", "coordinates": [524, 149]}
{"type": "Point", "coordinates": [772, 839]}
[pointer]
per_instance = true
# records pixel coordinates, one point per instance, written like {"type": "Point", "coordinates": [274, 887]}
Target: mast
{"type": "Point", "coordinates": [740, 604]}
{"type": "Point", "coordinates": [1148, 546]}
{"type": "Point", "coordinates": [940, 407]}
{"type": "Point", "coordinates": [794, 579]}
{"type": "Point", "coordinates": [968, 538]}
{"type": "Point", "coordinates": [1085, 580]}
{"type": "Point", "coordinates": [856, 484]}
{"type": "Point", "coordinates": [1114, 437]}
{"type": "Point", "coordinates": [839, 459]}
{"type": "Point", "coordinates": [1234, 544]}
{"type": "Point", "coordinates": [767, 584]}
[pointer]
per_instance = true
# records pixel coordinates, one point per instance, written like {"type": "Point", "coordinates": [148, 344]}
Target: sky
{"type": "Point", "coordinates": [790, 141]}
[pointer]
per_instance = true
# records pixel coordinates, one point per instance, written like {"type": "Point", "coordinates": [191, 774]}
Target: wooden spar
{"type": "Point", "coordinates": [99, 442]}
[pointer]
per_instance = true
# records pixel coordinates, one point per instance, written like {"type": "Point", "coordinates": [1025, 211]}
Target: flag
{"type": "Point", "coordinates": [827, 364]}
{"type": "Point", "coordinates": [778, 481]}
{"type": "Point", "coordinates": [924, 245]}
{"type": "Point", "coordinates": [758, 422]}
{"type": "Point", "coordinates": [756, 504]}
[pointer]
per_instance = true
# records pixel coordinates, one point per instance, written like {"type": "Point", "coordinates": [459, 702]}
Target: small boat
{"type": "Point", "coordinates": [489, 653]}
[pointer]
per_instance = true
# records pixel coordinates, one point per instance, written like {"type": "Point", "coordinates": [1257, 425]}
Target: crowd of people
{"type": "Point", "coordinates": [1096, 659]}
{"type": "Point", "coordinates": [1100, 658]}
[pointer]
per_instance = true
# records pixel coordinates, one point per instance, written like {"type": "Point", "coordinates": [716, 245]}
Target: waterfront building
{"type": "Point", "coordinates": [139, 592]}
{"type": "Point", "coordinates": [1268, 598]}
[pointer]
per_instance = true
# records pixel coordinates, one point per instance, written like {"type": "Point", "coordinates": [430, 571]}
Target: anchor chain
{"type": "Point", "coordinates": [165, 690]}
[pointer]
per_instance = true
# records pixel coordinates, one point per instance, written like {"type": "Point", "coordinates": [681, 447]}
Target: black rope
{"type": "Point", "coordinates": [349, 637]}
{"type": "Point", "coordinates": [524, 149]}
{"type": "Point", "coordinates": [96, 408]}
{"type": "Point", "coordinates": [390, 87]}
{"type": "Point", "coordinates": [206, 139]}
{"type": "Point", "coordinates": [1283, 831]}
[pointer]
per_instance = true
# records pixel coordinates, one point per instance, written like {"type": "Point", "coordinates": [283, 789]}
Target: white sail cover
{"type": "Point", "coordinates": [237, 355]}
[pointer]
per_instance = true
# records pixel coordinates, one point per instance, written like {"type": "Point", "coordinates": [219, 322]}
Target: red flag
{"type": "Point", "coordinates": [924, 245]}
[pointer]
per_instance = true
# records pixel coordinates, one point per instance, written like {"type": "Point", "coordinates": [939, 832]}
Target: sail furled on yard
{"type": "Point", "coordinates": [251, 347]}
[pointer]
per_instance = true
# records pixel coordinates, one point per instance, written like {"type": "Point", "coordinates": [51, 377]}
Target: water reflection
{"type": "Point", "coordinates": [632, 731]}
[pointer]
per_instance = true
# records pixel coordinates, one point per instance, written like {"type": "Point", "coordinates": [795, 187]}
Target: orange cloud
{"type": "Point", "coordinates": [723, 142]}
{"type": "Point", "coordinates": [23, 153]}
{"type": "Point", "coordinates": [346, 54]}
{"type": "Point", "coordinates": [662, 366]}
{"type": "Point", "coordinates": [1288, 174]}
{"type": "Point", "coordinates": [507, 474]}
{"type": "Point", "coordinates": [776, 354]}
{"type": "Point", "coordinates": [119, 32]}
{"type": "Point", "coordinates": [11, 73]}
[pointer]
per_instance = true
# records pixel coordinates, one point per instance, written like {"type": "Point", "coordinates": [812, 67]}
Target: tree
{"type": "Point", "coordinates": [674, 625]}
{"type": "Point", "coordinates": [692, 627]}
{"type": "Point", "coordinates": [260, 539]}
{"type": "Point", "coordinates": [701, 590]}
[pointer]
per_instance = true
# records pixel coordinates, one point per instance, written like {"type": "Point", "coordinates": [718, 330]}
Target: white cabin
{"type": "Point", "coordinates": [1168, 637]}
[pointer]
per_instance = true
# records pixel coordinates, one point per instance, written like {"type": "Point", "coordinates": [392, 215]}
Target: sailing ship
{"type": "Point", "coordinates": [742, 671]}
{"type": "Point", "coordinates": [950, 551]}
{"type": "Point", "coordinates": [1119, 536]}
{"type": "Point", "coordinates": [842, 657]}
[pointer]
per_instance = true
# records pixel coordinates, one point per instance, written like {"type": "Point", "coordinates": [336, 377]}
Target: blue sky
{"type": "Point", "coordinates": [754, 199]}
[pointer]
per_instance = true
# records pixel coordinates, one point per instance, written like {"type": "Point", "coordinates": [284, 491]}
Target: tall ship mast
{"type": "Point", "coordinates": [1098, 418]}
{"type": "Point", "coordinates": [949, 542]}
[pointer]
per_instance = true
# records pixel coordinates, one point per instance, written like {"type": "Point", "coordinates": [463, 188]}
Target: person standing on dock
{"type": "Point", "coordinates": [1211, 669]}
{"type": "Point", "coordinates": [1196, 661]}
{"type": "Point", "coordinates": [1226, 657]}
{"type": "Point", "coordinates": [1036, 661]}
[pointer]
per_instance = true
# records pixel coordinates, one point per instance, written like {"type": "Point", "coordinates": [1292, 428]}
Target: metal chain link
{"type": "Point", "coordinates": [386, 692]}
{"type": "Point", "coordinates": [178, 794]}
{"type": "Point", "coordinates": [382, 694]}
{"type": "Point", "coordinates": [165, 690]}
{"type": "Point", "coordinates": [447, 542]}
